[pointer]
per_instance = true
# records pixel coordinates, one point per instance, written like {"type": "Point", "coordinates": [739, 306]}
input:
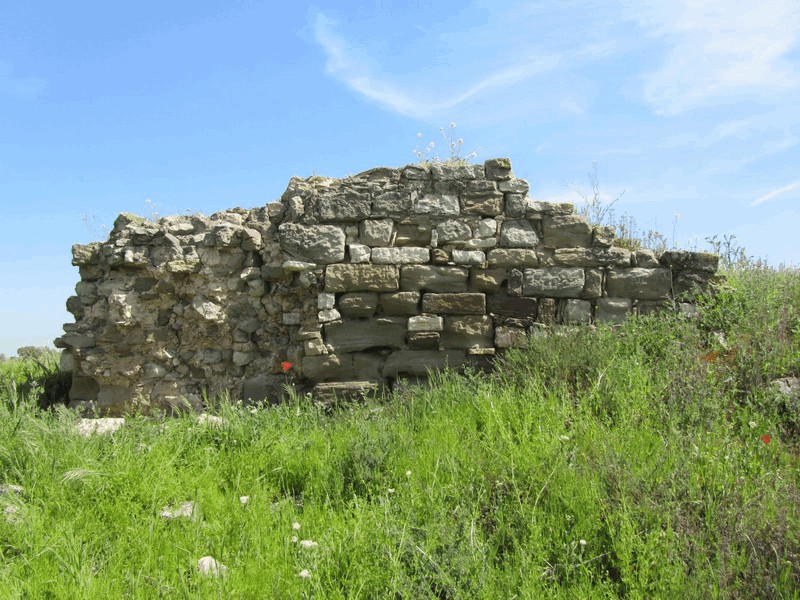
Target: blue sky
{"type": "Point", "coordinates": [690, 107]}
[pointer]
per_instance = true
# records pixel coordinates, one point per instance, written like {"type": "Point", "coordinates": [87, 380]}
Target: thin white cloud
{"type": "Point", "coordinates": [721, 48]}
{"type": "Point", "coordinates": [775, 193]}
{"type": "Point", "coordinates": [16, 85]}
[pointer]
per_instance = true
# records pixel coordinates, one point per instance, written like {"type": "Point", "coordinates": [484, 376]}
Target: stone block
{"type": "Point", "coordinates": [328, 315]}
{"type": "Point", "coordinates": [367, 365]}
{"type": "Point", "coordinates": [358, 304]}
{"type": "Point", "coordinates": [518, 233]}
{"type": "Point", "coordinates": [593, 286]}
{"type": "Point", "coordinates": [603, 236]}
{"type": "Point", "coordinates": [577, 312]}
{"type": "Point", "coordinates": [479, 243]}
{"type": "Point", "coordinates": [425, 323]}
{"type": "Point", "coordinates": [347, 205]}
{"type": "Point", "coordinates": [510, 258]}
{"type": "Point", "coordinates": [437, 205]}
{"type": "Point", "coordinates": [510, 337]}
{"type": "Point", "coordinates": [453, 230]}
{"type": "Point", "coordinates": [391, 204]}
{"type": "Point", "coordinates": [486, 228]}
{"type": "Point", "coordinates": [498, 169]}
{"type": "Point", "coordinates": [547, 311]}
{"type": "Point", "coordinates": [613, 310]}
{"type": "Point", "coordinates": [469, 257]}
{"type": "Point", "coordinates": [433, 278]}
{"type": "Point", "coordinates": [359, 253]}
{"type": "Point", "coordinates": [423, 340]}
{"type": "Point", "coordinates": [487, 280]}
{"type": "Point", "coordinates": [315, 243]}
{"type": "Point", "coordinates": [515, 205]}
{"type": "Point", "coordinates": [454, 304]}
{"type": "Point", "coordinates": [314, 347]}
{"type": "Point", "coordinates": [413, 234]}
{"type": "Point", "coordinates": [326, 300]}
{"type": "Point", "coordinates": [555, 282]}
{"type": "Point", "coordinates": [454, 171]}
{"type": "Point", "coordinates": [642, 284]}
{"type": "Point", "coordinates": [680, 260]}
{"type": "Point", "coordinates": [566, 231]}
{"type": "Point", "coordinates": [467, 332]}
{"type": "Point", "coordinates": [357, 336]}
{"type": "Point", "coordinates": [516, 282]}
{"type": "Point", "coordinates": [361, 278]}
{"type": "Point", "coordinates": [514, 186]}
{"type": "Point", "coordinates": [439, 256]}
{"type": "Point", "coordinates": [539, 210]}
{"type": "Point", "coordinates": [400, 256]}
{"type": "Point", "coordinates": [376, 232]}
{"type": "Point", "coordinates": [400, 303]}
{"type": "Point", "coordinates": [420, 362]}
{"type": "Point", "coordinates": [646, 259]}
{"type": "Point", "coordinates": [486, 205]}
{"type": "Point", "coordinates": [328, 367]}
{"type": "Point", "coordinates": [331, 392]}
{"type": "Point", "coordinates": [592, 257]}
{"type": "Point", "coordinates": [510, 306]}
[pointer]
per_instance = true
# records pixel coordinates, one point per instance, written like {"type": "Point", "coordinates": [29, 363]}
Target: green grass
{"type": "Point", "coordinates": [621, 463]}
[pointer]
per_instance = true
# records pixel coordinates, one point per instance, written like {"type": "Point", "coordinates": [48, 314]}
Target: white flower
{"type": "Point", "coordinates": [391, 490]}
{"type": "Point", "coordinates": [452, 124]}
{"type": "Point", "coordinates": [582, 542]}
{"type": "Point", "coordinates": [296, 526]}
{"type": "Point", "coordinates": [244, 499]}
{"type": "Point", "coordinates": [294, 539]}
{"type": "Point", "coordinates": [304, 574]}
{"type": "Point", "coordinates": [564, 438]}
{"type": "Point", "coordinates": [408, 473]}
{"type": "Point", "coordinates": [308, 544]}
{"type": "Point", "coordinates": [753, 424]}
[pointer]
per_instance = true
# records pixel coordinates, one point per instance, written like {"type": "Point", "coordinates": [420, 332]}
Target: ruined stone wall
{"type": "Point", "coordinates": [367, 279]}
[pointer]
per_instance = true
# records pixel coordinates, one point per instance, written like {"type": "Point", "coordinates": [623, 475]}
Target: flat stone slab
{"type": "Point", "coordinates": [555, 282]}
{"type": "Point", "coordinates": [433, 278]}
{"type": "Point", "coordinates": [592, 257]}
{"type": "Point", "coordinates": [355, 336]}
{"type": "Point", "coordinates": [567, 231]}
{"type": "Point", "coordinates": [400, 303]}
{"type": "Point", "coordinates": [643, 284]}
{"type": "Point", "coordinates": [469, 303]}
{"type": "Point", "coordinates": [469, 331]}
{"type": "Point", "coordinates": [511, 306]}
{"type": "Point", "coordinates": [512, 257]}
{"type": "Point", "coordinates": [361, 278]}
{"type": "Point", "coordinates": [345, 390]}
{"type": "Point", "coordinates": [400, 256]}
{"type": "Point", "coordinates": [313, 243]}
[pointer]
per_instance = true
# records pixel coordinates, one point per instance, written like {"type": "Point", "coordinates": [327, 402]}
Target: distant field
{"type": "Point", "coordinates": [655, 460]}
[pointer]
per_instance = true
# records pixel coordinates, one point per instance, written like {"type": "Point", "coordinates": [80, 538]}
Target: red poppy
{"type": "Point", "coordinates": [286, 365]}
{"type": "Point", "coordinates": [766, 438]}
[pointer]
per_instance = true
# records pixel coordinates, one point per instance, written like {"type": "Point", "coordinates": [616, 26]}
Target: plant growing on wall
{"type": "Point", "coordinates": [427, 155]}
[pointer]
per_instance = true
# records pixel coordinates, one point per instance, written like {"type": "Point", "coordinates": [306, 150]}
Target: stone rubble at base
{"type": "Point", "coordinates": [352, 282]}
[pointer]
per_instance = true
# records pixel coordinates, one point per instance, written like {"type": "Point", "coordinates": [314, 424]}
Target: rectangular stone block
{"type": "Point", "coordinates": [437, 205]}
{"type": "Point", "coordinates": [433, 278]}
{"type": "Point", "coordinates": [483, 204]}
{"type": "Point", "coordinates": [314, 243]}
{"type": "Point", "coordinates": [593, 287]}
{"type": "Point", "coordinates": [642, 284]}
{"type": "Point", "coordinates": [361, 278]}
{"type": "Point", "coordinates": [568, 231]}
{"type": "Point", "coordinates": [358, 304]}
{"type": "Point", "coordinates": [420, 362]}
{"type": "Point", "coordinates": [510, 337]}
{"type": "Point", "coordinates": [347, 205]}
{"type": "Point", "coordinates": [468, 332]}
{"type": "Point", "coordinates": [469, 257]}
{"type": "Point", "coordinates": [592, 257]}
{"type": "Point", "coordinates": [400, 256]}
{"type": "Point", "coordinates": [376, 232]}
{"type": "Point", "coordinates": [487, 280]}
{"type": "Point", "coordinates": [413, 234]}
{"type": "Point", "coordinates": [469, 303]}
{"type": "Point", "coordinates": [423, 340]}
{"type": "Point", "coordinates": [356, 336]}
{"type": "Point", "coordinates": [400, 303]}
{"type": "Point", "coordinates": [510, 258]}
{"type": "Point", "coordinates": [327, 367]}
{"type": "Point", "coordinates": [425, 323]}
{"type": "Point", "coordinates": [510, 306]}
{"type": "Point", "coordinates": [518, 233]}
{"type": "Point", "coordinates": [391, 204]}
{"type": "Point", "coordinates": [577, 312]}
{"type": "Point", "coordinates": [613, 310]}
{"type": "Point", "coordinates": [555, 282]}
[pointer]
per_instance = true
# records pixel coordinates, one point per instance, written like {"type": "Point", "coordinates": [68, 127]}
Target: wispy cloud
{"type": "Point", "coordinates": [775, 193]}
{"type": "Point", "coordinates": [12, 84]}
{"type": "Point", "coordinates": [719, 48]}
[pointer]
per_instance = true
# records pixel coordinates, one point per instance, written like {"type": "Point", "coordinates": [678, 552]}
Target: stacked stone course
{"type": "Point", "coordinates": [355, 282]}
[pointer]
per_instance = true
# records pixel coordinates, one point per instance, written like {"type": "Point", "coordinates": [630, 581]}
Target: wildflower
{"type": "Point", "coordinates": [408, 473]}
{"type": "Point", "coordinates": [286, 365]}
{"type": "Point", "coordinates": [582, 542]}
{"type": "Point", "coordinates": [294, 539]}
{"type": "Point", "coordinates": [304, 574]}
{"type": "Point", "coordinates": [752, 424]}
{"type": "Point", "coordinates": [391, 490]}
{"type": "Point", "coordinates": [564, 438]}
{"type": "Point", "coordinates": [766, 438]}
{"type": "Point", "coordinates": [308, 544]}
{"type": "Point", "coordinates": [244, 499]}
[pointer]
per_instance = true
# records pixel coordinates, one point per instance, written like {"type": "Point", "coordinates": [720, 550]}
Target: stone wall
{"type": "Point", "coordinates": [343, 284]}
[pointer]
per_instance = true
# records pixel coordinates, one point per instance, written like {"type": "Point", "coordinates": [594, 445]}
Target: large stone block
{"type": "Point", "coordinates": [400, 256]}
{"type": "Point", "coordinates": [613, 310]}
{"type": "Point", "coordinates": [518, 233]}
{"type": "Point", "coordinates": [510, 306]}
{"type": "Point", "coordinates": [420, 362]}
{"type": "Point", "coordinates": [433, 278]}
{"type": "Point", "coordinates": [358, 304]}
{"type": "Point", "coordinates": [643, 284]}
{"type": "Point", "coordinates": [577, 312]}
{"type": "Point", "coordinates": [454, 304]}
{"type": "Point", "coordinates": [391, 204]}
{"type": "Point", "coordinates": [400, 303]}
{"type": "Point", "coordinates": [498, 169]}
{"type": "Point", "coordinates": [425, 323]}
{"type": "Point", "coordinates": [510, 337]}
{"type": "Point", "coordinates": [554, 282]}
{"type": "Point", "coordinates": [453, 230]}
{"type": "Point", "coordinates": [483, 204]}
{"type": "Point", "coordinates": [328, 367]}
{"type": "Point", "coordinates": [376, 232]}
{"type": "Point", "coordinates": [487, 280]}
{"type": "Point", "coordinates": [356, 336]}
{"type": "Point", "coordinates": [566, 231]}
{"type": "Point", "coordinates": [413, 234]}
{"type": "Point", "coordinates": [361, 278]}
{"type": "Point", "coordinates": [437, 205]}
{"type": "Point", "coordinates": [679, 260]}
{"type": "Point", "coordinates": [510, 258]}
{"type": "Point", "coordinates": [472, 331]}
{"type": "Point", "coordinates": [469, 257]}
{"type": "Point", "coordinates": [592, 257]}
{"type": "Point", "coordinates": [314, 243]}
{"type": "Point", "coordinates": [347, 205]}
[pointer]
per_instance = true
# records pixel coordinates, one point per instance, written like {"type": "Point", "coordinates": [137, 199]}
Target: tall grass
{"type": "Point", "coordinates": [618, 463]}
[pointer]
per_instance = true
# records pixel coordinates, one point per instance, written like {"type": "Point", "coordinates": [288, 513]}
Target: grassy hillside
{"type": "Point", "coordinates": [650, 461]}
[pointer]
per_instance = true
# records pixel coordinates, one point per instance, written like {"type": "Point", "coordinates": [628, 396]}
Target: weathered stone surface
{"type": "Point", "coordinates": [326, 300]}
{"type": "Point", "coordinates": [486, 228]}
{"type": "Point", "coordinates": [437, 205]}
{"type": "Point", "coordinates": [467, 331]}
{"type": "Point", "coordinates": [400, 256]}
{"type": "Point", "coordinates": [613, 310]}
{"type": "Point", "coordinates": [539, 210]}
{"type": "Point", "coordinates": [498, 169]}
{"type": "Point", "coordinates": [515, 205]}
{"type": "Point", "coordinates": [425, 323]}
{"type": "Point", "coordinates": [469, 257]}
{"type": "Point", "coordinates": [413, 234]}
{"type": "Point", "coordinates": [348, 205]}
{"type": "Point", "coordinates": [510, 306]}
{"type": "Point", "coordinates": [346, 390]}
{"type": "Point", "coordinates": [356, 336]}
{"type": "Point", "coordinates": [453, 229]}
{"type": "Point", "coordinates": [358, 304]}
{"type": "Point", "coordinates": [361, 278]}
{"type": "Point", "coordinates": [548, 309]}
{"type": "Point", "coordinates": [400, 303]}
{"type": "Point", "coordinates": [646, 259]}
{"type": "Point", "coordinates": [314, 243]}
{"type": "Point", "coordinates": [644, 284]}
{"type": "Point", "coordinates": [577, 312]}
{"type": "Point", "coordinates": [487, 205]}
{"type": "Point", "coordinates": [423, 340]}
{"type": "Point", "coordinates": [555, 282]}
{"type": "Point", "coordinates": [567, 231]}
{"type": "Point", "coordinates": [510, 337]}
{"type": "Point", "coordinates": [329, 367]}
{"type": "Point", "coordinates": [592, 257]}
{"type": "Point", "coordinates": [359, 253]}
{"type": "Point", "coordinates": [376, 232]}
{"type": "Point", "coordinates": [510, 258]}
{"type": "Point", "coordinates": [454, 304]}
{"type": "Point", "coordinates": [593, 286]}
{"type": "Point", "coordinates": [455, 171]}
{"type": "Point", "coordinates": [679, 260]}
{"type": "Point", "coordinates": [391, 204]}
{"type": "Point", "coordinates": [433, 278]}
{"type": "Point", "coordinates": [603, 237]}
{"type": "Point", "coordinates": [421, 362]}
{"type": "Point", "coordinates": [518, 234]}
{"type": "Point", "coordinates": [489, 281]}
